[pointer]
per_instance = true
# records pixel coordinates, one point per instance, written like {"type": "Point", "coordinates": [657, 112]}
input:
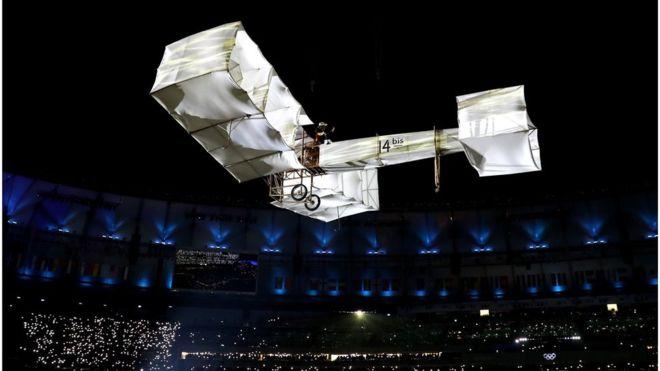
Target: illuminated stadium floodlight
{"type": "Point", "coordinates": [221, 89]}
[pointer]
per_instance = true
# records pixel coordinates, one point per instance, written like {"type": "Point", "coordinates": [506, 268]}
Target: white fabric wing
{"type": "Point", "coordinates": [496, 133]}
{"type": "Point", "coordinates": [222, 91]}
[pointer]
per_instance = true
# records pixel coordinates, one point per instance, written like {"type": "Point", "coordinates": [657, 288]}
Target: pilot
{"type": "Point", "coordinates": [311, 158]}
{"type": "Point", "coordinates": [322, 132]}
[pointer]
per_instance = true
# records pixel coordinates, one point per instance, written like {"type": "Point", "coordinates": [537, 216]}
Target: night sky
{"type": "Point", "coordinates": [77, 108]}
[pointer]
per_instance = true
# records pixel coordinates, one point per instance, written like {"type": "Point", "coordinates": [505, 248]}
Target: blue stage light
{"type": "Point", "coordinates": [61, 229]}
{"type": "Point", "coordinates": [109, 281]}
{"type": "Point", "coordinates": [163, 242]}
{"type": "Point", "coordinates": [86, 279]}
{"type": "Point", "coordinates": [111, 236]}
{"type": "Point", "coordinates": [271, 250]}
{"type": "Point", "coordinates": [558, 288]}
{"type": "Point", "coordinates": [47, 274]}
{"type": "Point", "coordinates": [143, 282]}
{"type": "Point", "coordinates": [164, 234]}
{"type": "Point", "coordinates": [272, 235]}
{"type": "Point", "coordinates": [323, 252]}
{"type": "Point", "coordinates": [535, 230]}
{"type": "Point", "coordinates": [536, 246]}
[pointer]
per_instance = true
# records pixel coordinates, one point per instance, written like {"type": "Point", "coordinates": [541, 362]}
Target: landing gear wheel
{"type": "Point", "coordinates": [299, 192]}
{"type": "Point", "coordinates": [313, 202]}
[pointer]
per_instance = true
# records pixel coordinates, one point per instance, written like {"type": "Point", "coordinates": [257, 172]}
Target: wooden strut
{"type": "Point", "coordinates": [436, 161]}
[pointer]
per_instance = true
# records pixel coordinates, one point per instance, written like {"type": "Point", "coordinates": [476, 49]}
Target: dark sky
{"type": "Point", "coordinates": [77, 108]}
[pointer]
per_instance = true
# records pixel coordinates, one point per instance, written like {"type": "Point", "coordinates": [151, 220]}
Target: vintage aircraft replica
{"type": "Point", "coordinates": [224, 93]}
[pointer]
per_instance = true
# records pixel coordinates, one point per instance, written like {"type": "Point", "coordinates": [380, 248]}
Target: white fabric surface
{"type": "Point", "coordinates": [342, 194]}
{"type": "Point", "coordinates": [223, 92]}
{"type": "Point", "coordinates": [496, 133]}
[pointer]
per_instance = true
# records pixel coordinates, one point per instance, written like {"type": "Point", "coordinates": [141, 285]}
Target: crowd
{"type": "Point", "coordinates": [324, 341]}
{"type": "Point", "coordinates": [63, 341]}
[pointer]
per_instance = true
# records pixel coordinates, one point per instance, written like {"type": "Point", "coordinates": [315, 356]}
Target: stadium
{"type": "Point", "coordinates": [127, 247]}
